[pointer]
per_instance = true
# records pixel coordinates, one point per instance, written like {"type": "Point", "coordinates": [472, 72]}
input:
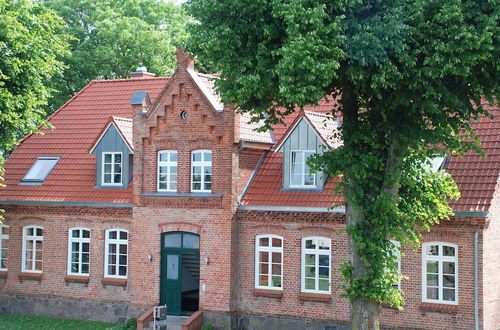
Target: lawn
{"type": "Point", "coordinates": [12, 322]}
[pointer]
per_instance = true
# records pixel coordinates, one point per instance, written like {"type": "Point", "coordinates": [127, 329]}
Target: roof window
{"type": "Point", "coordinates": [40, 170]}
{"type": "Point", "coordinates": [436, 163]}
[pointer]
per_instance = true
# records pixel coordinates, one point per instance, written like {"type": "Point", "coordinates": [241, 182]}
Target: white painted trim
{"type": "Point", "coordinates": [104, 133]}
{"type": "Point", "coordinates": [317, 252]}
{"type": "Point", "coordinates": [35, 239]}
{"type": "Point", "coordinates": [440, 259]}
{"type": "Point", "coordinates": [301, 186]}
{"type": "Point", "coordinates": [112, 168]}
{"type": "Point", "coordinates": [204, 89]}
{"type": "Point", "coordinates": [4, 236]}
{"type": "Point", "coordinates": [80, 241]}
{"type": "Point", "coordinates": [201, 164]}
{"type": "Point", "coordinates": [168, 164]}
{"type": "Point", "coordinates": [269, 249]}
{"type": "Point", "coordinates": [304, 117]}
{"type": "Point", "coordinates": [118, 242]}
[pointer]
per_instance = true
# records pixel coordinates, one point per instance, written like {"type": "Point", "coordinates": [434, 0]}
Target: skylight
{"type": "Point", "coordinates": [437, 163]}
{"type": "Point", "coordinates": [40, 170]}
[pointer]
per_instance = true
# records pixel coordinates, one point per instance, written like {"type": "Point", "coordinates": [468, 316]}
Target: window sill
{"type": "Point", "coordinates": [317, 297]}
{"type": "Point", "coordinates": [3, 273]}
{"type": "Point", "coordinates": [114, 281]}
{"type": "Point", "coordinates": [30, 276]}
{"type": "Point", "coordinates": [176, 194]}
{"type": "Point", "coordinates": [76, 279]}
{"type": "Point", "coordinates": [440, 308]}
{"type": "Point", "coordinates": [277, 294]}
{"type": "Point", "coordinates": [302, 189]}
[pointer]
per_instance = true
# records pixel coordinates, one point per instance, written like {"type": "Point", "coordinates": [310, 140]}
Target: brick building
{"type": "Point", "coordinates": [151, 191]}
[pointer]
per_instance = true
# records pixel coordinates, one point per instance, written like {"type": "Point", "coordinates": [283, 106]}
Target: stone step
{"type": "Point", "coordinates": [172, 322]}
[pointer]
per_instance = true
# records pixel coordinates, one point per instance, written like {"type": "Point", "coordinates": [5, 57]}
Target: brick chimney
{"type": "Point", "coordinates": [141, 72]}
{"type": "Point", "coordinates": [184, 60]}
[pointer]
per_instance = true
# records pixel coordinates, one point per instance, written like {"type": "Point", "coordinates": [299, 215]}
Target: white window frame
{"type": "Point", "coordinates": [118, 242]}
{"type": "Point", "coordinates": [317, 252]}
{"type": "Point", "coordinates": [112, 169]}
{"type": "Point", "coordinates": [4, 237]}
{"type": "Point", "coordinates": [269, 249]}
{"type": "Point", "coordinates": [35, 239]}
{"type": "Point", "coordinates": [440, 259]}
{"type": "Point", "coordinates": [168, 164]}
{"type": "Point", "coordinates": [397, 248]}
{"type": "Point", "coordinates": [79, 240]}
{"type": "Point", "coordinates": [303, 174]}
{"type": "Point", "coordinates": [203, 164]}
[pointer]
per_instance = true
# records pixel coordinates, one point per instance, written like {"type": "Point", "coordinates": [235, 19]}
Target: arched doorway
{"type": "Point", "coordinates": [180, 272]}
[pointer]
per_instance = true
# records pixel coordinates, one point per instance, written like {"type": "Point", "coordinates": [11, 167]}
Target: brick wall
{"type": "Point", "coordinates": [293, 226]}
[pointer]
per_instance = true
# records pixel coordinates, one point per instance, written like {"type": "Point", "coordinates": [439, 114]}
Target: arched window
{"type": "Point", "coordinates": [4, 246]}
{"type": "Point", "coordinates": [316, 268]}
{"type": "Point", "coordinates": [439, 272]}
{"type": "Point", "coordinates": [269, 262]}
{"type": "Point", "coordinates": [116, 253]}
{"type": "Point", "coordinates": [78, 251]}
{"type": "Point", "coordinates": [32, 249]}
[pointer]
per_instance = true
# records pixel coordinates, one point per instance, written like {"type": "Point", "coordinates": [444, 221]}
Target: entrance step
{"type": "Point", "coordinates": [173, 323]}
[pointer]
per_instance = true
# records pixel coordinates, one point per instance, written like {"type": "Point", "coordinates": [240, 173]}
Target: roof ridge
{"type": "Point", "coordinates": [126, 79]}
{"type": "Point", "coordinates": [122, 118]}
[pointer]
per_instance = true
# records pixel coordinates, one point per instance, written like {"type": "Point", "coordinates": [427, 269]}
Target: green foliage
{"type": "Point", "coordinates": [21, 322]}
{"type": "Point", "coordinates": [409, 75]}
{"type": "Point", "coordinates": [114, 37]}
{"type": "Point", "coordinates": [207, 326]}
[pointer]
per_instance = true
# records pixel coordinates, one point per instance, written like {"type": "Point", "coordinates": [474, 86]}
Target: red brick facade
{"type": "Point", "coordinates": [227, 232]}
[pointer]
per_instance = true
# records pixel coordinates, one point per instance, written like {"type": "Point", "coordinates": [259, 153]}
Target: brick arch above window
{"type": "Point", "coordinates": [33, 220]}
{"type": "Point", "coordinates": [180, 226]}
{"type": "Point", "coordinates": [441, 236]}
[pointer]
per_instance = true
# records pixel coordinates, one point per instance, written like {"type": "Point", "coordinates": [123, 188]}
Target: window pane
{"type": "Point", "coordinates": [264, 280]}
{"type": "Point", "coordinates": [39, 232]}
{"type": "Point", "coordinates": [173, 240]}
{"type": "Point", "coordinates": [324, 260]}
{"type": "Point", "coordinates": [448, 251]}
{"type": "Point", "coordinates": [207, 186]}
{"type": "Point", "coordinates": [173, 156]}
{"type": "Point", "coordinates": [263, 268]}
{"type": "Point", "coordinates": [112, 248]}
{"type": "Point", "coordinates": [123, 235]}
{"type": "Point", "coordinates": [448, 267]}
{"type": "Point", "coordinates": [449, 294]}
{"type": "Point", "coordinates": [196, 186]}
{"type": "Point", "coordinates": [107, 178]}
{"type": "Point", "coordinates": [276, 242]}
{"type": "Point", "coordinates": [196, 156]}
{"type": "Point", "coordinates": [324, 245]}
{"type": "Point", "coordinates": [112, 270]}
{"type": "Point", "coordinates": [118, 158]}
{"type": "Point", "coordinates": [122, 271]}
{"type": "Point", "coordinates": [107, 168]}
{"type": "Point", "coordinates": [123, 249]}
{"type": "Point", "coordinates": [85, 268]}
{"type": "Point", "coordinates": [172, 266]}
{"type": "Point", "coordinates": [86, 233]}
{"type": "Point", "coordinates": [112, 234]}
{"type": "Point", "coordinates": [38, 265]}
{"type": "Point", "coordinates": [310, 284]}
{"type": "Point", "coordinates": [432, 293]}
{"type": "Point", "coordinates": [449, 281]}
{"type": "Point", "coordinates": [117, 178]}
{"type": "Point", "coordinates": [432, 267]}
{"type": "Point", "coordinates": [74, 246]}
{"type": "Point", "coordinates": [118, 168]}
{"type": "Point", "coordinates": [264, 256]}
{"type": "Point", "coordinates": [264, 241]}
{"type": "Point", "coordinates": [85, 247]}
{"type": "Point", "coordinates": [432, 279]}
{"type": "Point", "coordinates": [433, 250]}
{"type": "Point", "coordinates": [276, 269]}
{"type": "Point", "coordinates": [276, 282]}
{"type": "Point", "coordinates": [324, 285]}
{"type": "Point", "coordinates": [310, 244]}
{"type": "Point", "coordinates": [191, 241]}
{"type": "Point", "coordinates": [324, 272]}
{"type": "Point", "coordinates": [74, 257]}
{"type": "Point", "coordinates": [309, 179]}
{"type": "Point", "coordinates": [107, 158]}
{"type": "Point", "coordinates": [310, 259]}
{"type": "Point", "coordinates": [30, 231]}
{"type": "Point", "coordinates": [75, 233]}
{"type": "Point", "coordinates": [296, 179]}
{"type": "Point", "coordinates": [123, 260]}
{"type": "Point", "coordinates": [85, 257]}
{"type": "Point", "coordinates": [276, 257]}
{"type": "Point", "coordinates": [310, 271]}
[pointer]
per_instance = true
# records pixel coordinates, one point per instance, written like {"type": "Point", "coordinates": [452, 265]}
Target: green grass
{"type": "Point", "coordinates": [11, 322]}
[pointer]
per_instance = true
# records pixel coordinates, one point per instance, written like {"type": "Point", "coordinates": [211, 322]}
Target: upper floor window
{"type": "Point", "coordinates": [299, 171]}
{"type": "Point", "coordinates": [32, 249]}
{"type": "Point", "coordinates": [269, 262]}
{"type": "Point", "coordinates": [316, 255]}
{"type": "Point", "coordinates": [167, 170]}
{"type": "Point", "coordinates": [78, 251]}
{"type": "Point", "coordinates": [4, 246]}
{"type": "Point", "coordinates": [201, 171]}
{"type": "Point", "coordinates": [439, 273]}
{"type": "Point", "coordinates": [116, 253]}
{"type": "Point", "coordinates": [112, 168]}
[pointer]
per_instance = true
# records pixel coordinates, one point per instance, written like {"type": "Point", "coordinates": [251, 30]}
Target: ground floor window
{"type": "Point", "coordinates": [32, 249]}
{"type": "Point", "coordinates": [269, 262]}
{"type": "Point", "coordinates": [116, 254]}
{"type": "Point", "coordinates": [316, 255]}
{"type": "Point", "coordinates": [439, 273]}
{"type": "Point", "coordinates": [4, 246]}
{"type": "Point", "coordinates": [78, 251]}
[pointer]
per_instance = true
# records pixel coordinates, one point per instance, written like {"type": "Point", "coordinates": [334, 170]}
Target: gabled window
{"type": "Point", "coordinates": [269, 262]}
{"type": "Point", "coordinates": [116, 253]}
{"type": "Point", "coordinates": [201, 171]}
{"type": "Point", "coordinates": [40, 170]}
{"type": "Point", "coordinates": [167, 170]}
{"type": "Point", "coordinates": [299, 171]}
{"type": "Point", "coordinates": [78, 251]}
{"type": "Point", "coordinates": [4, 246]}
{"type": "Point", "coordinates": [316, 257]}
{"type": "Point", "coordinates": [439, 273]}
{"type": "Point", "coordinates": [112, 168]}
{"type": "Point", "coordinates": [32, 249]}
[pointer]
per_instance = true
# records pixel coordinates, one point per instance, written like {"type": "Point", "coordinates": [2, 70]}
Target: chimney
{"type": "Point", "coordinates": [184, 60]}
{"type": "Point", "coordinates": [141, 72]}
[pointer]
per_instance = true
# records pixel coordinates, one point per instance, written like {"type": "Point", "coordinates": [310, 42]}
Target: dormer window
{"type": "Point", "coordinates": [112, 168]}
{"type": "Point", "coordinates": [300, 176]}
{"type": "Point", "coordinates": [201, 171]}
{"type": "Point", "coordinates": [40, 170]}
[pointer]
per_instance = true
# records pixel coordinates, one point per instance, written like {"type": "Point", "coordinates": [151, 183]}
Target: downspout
{"type": "Point", "coordinates": [476, 280]}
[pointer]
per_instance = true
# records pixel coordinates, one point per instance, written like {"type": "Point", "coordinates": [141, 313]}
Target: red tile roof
{"type": "Point", "coordinates": [476, 177]}
{"type": "Point", "coordinates": [77, 124]}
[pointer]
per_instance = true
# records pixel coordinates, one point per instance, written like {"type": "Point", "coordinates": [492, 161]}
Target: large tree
{"type": "Point", "coordinates": [113, 37]}
{"type": "Point", "coordinates": [31, 47]}
{"type": "Point", "coordinates": [409, 77]}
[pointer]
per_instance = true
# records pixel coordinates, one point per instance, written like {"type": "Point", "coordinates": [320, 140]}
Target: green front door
{"type": "Point", "coordinates": [179, 283]}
